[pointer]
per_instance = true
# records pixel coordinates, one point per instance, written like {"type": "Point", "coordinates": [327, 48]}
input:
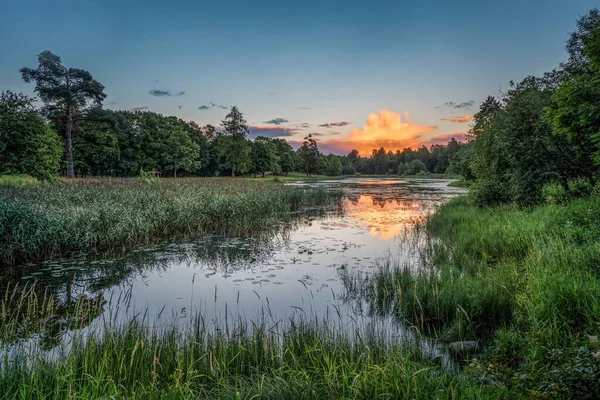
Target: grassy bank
{"type": "Point", "coordinates": [525, 283]}
{"type": "Point", "coordinates": [302, 359]}
{"type": "Point", "coordinates": [294, 177]}
{"type": "Point", "coordinates": [52, 220]}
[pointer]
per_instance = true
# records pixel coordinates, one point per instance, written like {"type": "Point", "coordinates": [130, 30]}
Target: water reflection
{"type": "Point", "coordinates": [291, 269]}
{"type": "Point", "coordinates": [384, 218]}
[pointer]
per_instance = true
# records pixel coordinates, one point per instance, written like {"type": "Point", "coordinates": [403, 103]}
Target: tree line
{"type": "Point", "coordinates": [543, 133]}
{"type": "Point", "coordinates": [72, 135]}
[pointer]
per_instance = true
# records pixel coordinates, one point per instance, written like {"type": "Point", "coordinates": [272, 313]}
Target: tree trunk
{"type": "Point", "coordinates": [69, 145]}
{"type": "Point", "coordinates": [174, 172]}
{"type": "Point", "coordinates": [263, 174]}
{"type": "Point", "coordinates": [233, 172]}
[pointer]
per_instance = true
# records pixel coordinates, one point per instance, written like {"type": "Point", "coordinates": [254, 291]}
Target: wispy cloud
{"type": "Point", "coordinates": [134, 109]}
{"type": "Point", "coordinates": [212, 105]}
{"type": "Point", "coordinates": [159, 93]}
{"type": "Point", "coordinates": [466, 118]}
{"type": "Point", "coordinates": [321, 134]}
{"type": "Point", "coordinates": [303, 108]}
{"type": "Point", "coordinates": [164, 93]}
{"type": "Point", "coordinates": [330, 124]}
{"type": "Point", "coordinates": [465, 105]}
{"type": "Point", "coordinates": [445, 138]}
{"type": "Point", "coordinates": [270, 131]}
{"type": "Point", "coordinates": [277, 121]}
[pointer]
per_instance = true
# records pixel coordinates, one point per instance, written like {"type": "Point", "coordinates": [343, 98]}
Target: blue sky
{"type": "Point", "coordinates": [308, 62]}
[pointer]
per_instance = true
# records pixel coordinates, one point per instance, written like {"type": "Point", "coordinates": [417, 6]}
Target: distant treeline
{"type": "Point", "coordinates": [541, 137]}
{"type": "Point", "coordinates": [72, 135]}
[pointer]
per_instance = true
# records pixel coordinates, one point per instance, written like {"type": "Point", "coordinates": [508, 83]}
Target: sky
{"type": "Point", "coordinates": [355, 74]}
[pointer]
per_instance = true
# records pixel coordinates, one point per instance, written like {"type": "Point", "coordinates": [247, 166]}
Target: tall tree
{"type": "Point", "coordinates": [66, 92]}
{"type": "Point", "coordinates": [181, 152]}
{"type": "Point", "coordinates": [309, 152]}
{"type": "Point", "coordinates": [335, 166]}
{"type": "Point", "coordinates": [263, 155]}
{"type": "Point", "coordinates": [235, 149]}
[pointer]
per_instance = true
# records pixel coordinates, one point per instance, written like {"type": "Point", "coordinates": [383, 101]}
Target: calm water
{"type": "Point", "coordinates": [292, 270]}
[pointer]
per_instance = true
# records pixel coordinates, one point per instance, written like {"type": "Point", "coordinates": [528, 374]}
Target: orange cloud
{"type": "Point", "coordinates": [466, 118]}
{"type": "Point", "coordinates": [388, 129]}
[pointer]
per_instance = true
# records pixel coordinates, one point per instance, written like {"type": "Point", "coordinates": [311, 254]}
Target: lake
{"type": "Point", "coordinates": [293, 270]}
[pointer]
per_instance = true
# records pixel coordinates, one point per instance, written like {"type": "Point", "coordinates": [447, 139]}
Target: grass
{"type": "Point", "coordinates": [48, 221]}
{"type": "Point", "coordinates": [294, 177]}
{"type": "Point", "coordinates": [525, 283]}
{"type": "Point", "coordinates": [460, 183]}
{"type": "Point", "coordinates": [17, 180]}
{"type": "Point", "coordinates": [298, 359]}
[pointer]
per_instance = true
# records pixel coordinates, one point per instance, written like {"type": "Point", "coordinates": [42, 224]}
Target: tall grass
{"type": "Point", "coordinates": [298, 359]}
{"type": "Point", "coordinates": [526, 283]}
{"type": "Point", "coordinates": [47, 221]}
{"type": "Point", "coordinates": [17, 180]}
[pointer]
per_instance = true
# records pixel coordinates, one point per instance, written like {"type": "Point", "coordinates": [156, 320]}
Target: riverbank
{"type": "Point", "coordinates": [45, 221]}
{"type": "Point", "coordinates": [522, 283]}
{"type": "Point", "coordinates": [309, 358]}
{"type": "Point", "coordinates": [525, 284]}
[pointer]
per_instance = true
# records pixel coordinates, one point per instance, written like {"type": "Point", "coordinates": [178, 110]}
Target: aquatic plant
{"type": "Point", "coordinates": [310, 358]}
{"type": "Point", "coordinates": [42, 222]}
{"type": "Point", "coordinates": [524, 283]}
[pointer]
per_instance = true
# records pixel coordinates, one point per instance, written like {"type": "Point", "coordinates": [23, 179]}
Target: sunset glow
{"type": "Point", "coordinates": [388, 129]}
{"type": "Point", "coordinates": [385, 219]}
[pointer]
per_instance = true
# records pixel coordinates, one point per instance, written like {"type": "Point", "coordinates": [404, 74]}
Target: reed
{"type": "Point", "coordinates": [309, 358]}
{"type": "Point", "coordinates": [524, 283]}
{"type": "Point", "coordinates": [48, 221]}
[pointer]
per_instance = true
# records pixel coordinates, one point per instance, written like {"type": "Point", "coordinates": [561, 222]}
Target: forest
{"type": "Point", "coordinates": [72, 135]}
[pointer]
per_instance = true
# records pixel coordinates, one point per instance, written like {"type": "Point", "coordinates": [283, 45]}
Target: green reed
{"type": "Point", "coordinates": [47, 221]}
{"type": "Point", "coordinates": [310, 358]}
{"type": "Point", "coordinates": [524, 283]}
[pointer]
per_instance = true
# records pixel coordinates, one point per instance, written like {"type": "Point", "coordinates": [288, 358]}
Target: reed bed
{"type": "Point", "coordinates": [308, 358]}
{"type": "Point", "coordinates": [46, 221]}
{"type": "Point", "coordinates": [524, 283]}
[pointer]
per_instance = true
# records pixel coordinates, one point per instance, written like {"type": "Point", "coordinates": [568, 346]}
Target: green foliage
{"type": "Point", "coordinates": [181, 152]}
{"type": "Point", "coordinates": [414, 167]}
{"type": "Point", "coordinates": [575, 119]}
{"type": "Point", "coordinates": [309, 153]}
{"type": "Point", "coordinates": [235, 150]}
{"type": "Point", "coordinates": [27, 144]}
{"type": "Point", "coordinates": [544, 131]}
{"type": "Point", "coordinates": [522, 282]}
{"type": "Point", "coordinates": [263, 155]}
{"type": "Point", "coordinates": [335, 166]}
{"type": "Point", "coordinates": [145, 177]}
{"type": "Point", "coordinates": [52, 221]}
{"type": "Point", "coordinates": [303, 359]}
{"type": "Point", "coordinates": [17, 180]}
{"type": "Point", "coordinates": [66, 93]}
{"type": "Point", "coordinates": [555, 194]}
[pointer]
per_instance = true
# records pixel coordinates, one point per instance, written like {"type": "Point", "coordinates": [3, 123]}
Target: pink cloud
{"type": "Point", "coordinates": [466, 118]}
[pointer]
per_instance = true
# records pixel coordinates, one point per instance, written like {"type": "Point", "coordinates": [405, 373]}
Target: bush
{"type": "Point", "coordinates": [554, 194]}
{"type": "Point", "coordinates": [17, 180]}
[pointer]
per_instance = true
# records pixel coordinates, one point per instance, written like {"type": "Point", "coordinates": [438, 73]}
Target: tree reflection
{"type": "Point", "coordinates": [48, 300]}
